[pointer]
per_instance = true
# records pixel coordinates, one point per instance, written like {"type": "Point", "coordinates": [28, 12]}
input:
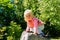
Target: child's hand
{"type": "Point", "coordinates": [26, 31]}
{"type": "Point", "coordinates": [34, 33]}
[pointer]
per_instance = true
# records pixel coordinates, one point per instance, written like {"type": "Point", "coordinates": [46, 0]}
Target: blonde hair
{"type": "Point", "coordinates": [28, 12]}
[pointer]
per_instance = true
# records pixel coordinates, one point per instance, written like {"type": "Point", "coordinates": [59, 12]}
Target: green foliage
{"type": "Point", "coordinates": [47, 11]}
{"type": "Point", "coordinates": [14, 31]}
{"type": "Point", "coordinates": [33, 5]}
{"type": "Point", "coordinates": [11, 32]}
{"type": "Point", "coordinates": [7, 12]}
{"type": "Point", "coordinates": [19, 13]}
{"type": "Point", "coordinates": [13, 10]}
{"type": "Point", "coordinates": [3, 34]}
{"type": "Point", "coordinates": [9, 38]}
{"type": "Point", "coordinates": [50, 14]}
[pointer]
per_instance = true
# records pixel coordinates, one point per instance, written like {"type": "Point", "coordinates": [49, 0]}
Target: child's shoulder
{"type": "Point", "coordinates": [35, 18]}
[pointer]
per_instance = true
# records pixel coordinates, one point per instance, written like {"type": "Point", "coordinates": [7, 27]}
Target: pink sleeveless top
{"type": "Point", "coordinates": [34, 20]}
{"type": "Point", "coordinates": [34, 23]}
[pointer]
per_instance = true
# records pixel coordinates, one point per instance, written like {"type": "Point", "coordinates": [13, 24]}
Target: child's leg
{"type": "Point", "coordinates": [40, 28]}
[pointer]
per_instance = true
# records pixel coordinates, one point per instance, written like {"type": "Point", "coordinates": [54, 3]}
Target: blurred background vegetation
{"type": "Point", "coordinates": [12, 22]}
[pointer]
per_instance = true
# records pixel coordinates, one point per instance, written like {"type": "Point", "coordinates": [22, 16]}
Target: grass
{"type": "Point", "coordinates": [55, 39]}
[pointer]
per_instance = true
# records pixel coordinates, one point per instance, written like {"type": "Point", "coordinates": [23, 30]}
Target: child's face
{"type": "Point", "coordinates": [28, 16]}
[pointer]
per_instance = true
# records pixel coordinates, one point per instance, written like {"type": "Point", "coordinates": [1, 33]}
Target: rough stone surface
{"type": "Point", "coordinates": [31, 36]}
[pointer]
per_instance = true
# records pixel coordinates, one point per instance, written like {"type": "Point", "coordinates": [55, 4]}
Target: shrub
{"type": "Point", "coordinates": [14, 31]}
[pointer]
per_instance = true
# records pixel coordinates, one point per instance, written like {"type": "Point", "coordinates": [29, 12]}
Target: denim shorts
{"type": "Point", "coordinates": [40, 28]}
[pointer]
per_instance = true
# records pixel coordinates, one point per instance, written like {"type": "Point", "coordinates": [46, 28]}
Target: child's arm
{"type": "Point", "coordinates": [28, 28]}
{"type": "Point", "coordinates": [40, 22]}
{"type": "Point", "coordinates": [35, 26]}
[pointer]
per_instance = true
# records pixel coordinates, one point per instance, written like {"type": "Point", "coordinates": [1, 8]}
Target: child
{"type": "Point", "coordinates": [33, 24]}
